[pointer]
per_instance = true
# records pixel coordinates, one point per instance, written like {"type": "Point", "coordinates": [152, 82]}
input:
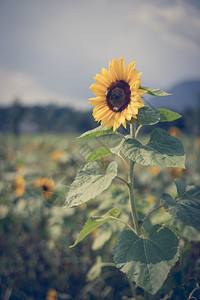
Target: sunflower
{"type": "Point", "coordinates": [47, 186]}
{"type": "Point", "coordinates": [19, 186]}
{"type": "Point", "coordinates": [118, 94]}
{"type": "Point", "coordinates": [56, 154]}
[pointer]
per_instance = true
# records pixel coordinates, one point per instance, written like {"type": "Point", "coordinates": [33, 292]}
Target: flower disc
{"type": "Point", "coordinates": [118, 95]}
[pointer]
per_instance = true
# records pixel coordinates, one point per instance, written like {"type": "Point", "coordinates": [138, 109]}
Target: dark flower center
{"type": "Point", "coordinates": [45, 188]}
{"type": "Point", "coordinates": [118, 95]}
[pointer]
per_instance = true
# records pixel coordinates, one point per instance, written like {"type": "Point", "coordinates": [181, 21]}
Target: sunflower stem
{"type": "Point", "coordinates": [131, 190]}
{"type": "Point", "coordinates": [137, 131]}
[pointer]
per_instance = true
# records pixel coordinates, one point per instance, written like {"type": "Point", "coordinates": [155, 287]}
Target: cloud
{"type": "Point", "coordinates": [178, 22]}
{"type": "Point", "coordinates": [18, 85]}
{"type": "Point", "coordinates": [58, 46]}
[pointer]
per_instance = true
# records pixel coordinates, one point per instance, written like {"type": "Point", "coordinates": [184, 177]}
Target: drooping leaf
{"type": "Point", "coordinates": [148, 116]}
{"type": "Point", "coordinates": [167, 115]}
{"type": "Point", "coordinates": [186, 208]}
{"type": "Point", "coordinates": [162, 150]}
{"type": "Point", "coordinates": [94, 222]}
{"type": "Point", "coordinates": [154, 92]}
{"type": "Point", "coordinates": [99, 153]}
{"type": "Point", "coordinates": [89, 183]}
{"type": "Point", "coordinates": [180, 186]}
{"type": "Point", "coordinates": [95, 270]}
{"type": "Point", "coordinates": [98, 131]}
{"type": "Point", "coordinates": [147, 261]}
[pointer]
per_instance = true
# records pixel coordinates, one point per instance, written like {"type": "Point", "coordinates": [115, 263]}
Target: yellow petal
{"type": "Point", "coordinates": [97, 102]}
{"type": "Point", "coordinates": [103, 80]}
{"type": "Point", "coordinates": [97, 90]}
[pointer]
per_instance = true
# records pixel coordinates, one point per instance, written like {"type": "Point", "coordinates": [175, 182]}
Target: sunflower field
{"type": "Point", "coordinates": [37, 232]}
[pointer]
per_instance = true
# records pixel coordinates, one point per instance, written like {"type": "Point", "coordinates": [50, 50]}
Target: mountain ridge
{"type": "Point", "coordinates": [185, 95]}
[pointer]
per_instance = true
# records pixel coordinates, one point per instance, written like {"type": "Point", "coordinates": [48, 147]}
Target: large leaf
{"type": "Point", "coordinates": [186, 208]}
{"type": "Point", "coordinates": [167, 115]}
{"type": "Point", "coordinates": [89, 183]}
{"type": "Point", "coordinates": [147, 261]}
{"type": "Point", "coordinates": [98, 153]}
{"type": "Point", "coordinates": [94, 222]}
{"type": "Point", "coordinates": [148, 116]}
{"type": "Point", "coordinates": [162, 150]}
{"type": "Point", "coordinates": [98, 131]}
{"type": "Point", "coordinates": [154, 92]}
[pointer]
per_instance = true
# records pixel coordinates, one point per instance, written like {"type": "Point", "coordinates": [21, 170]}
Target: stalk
{"type": "Point", "coordinates": [131, 190]}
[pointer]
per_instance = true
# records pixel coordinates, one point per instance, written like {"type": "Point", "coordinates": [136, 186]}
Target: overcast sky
{"type": "Point", "coordinates": [51, 49]}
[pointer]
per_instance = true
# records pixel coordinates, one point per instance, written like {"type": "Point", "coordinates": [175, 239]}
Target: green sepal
{"type": "Point", "coordinates": [98, 131]}
{"type": "Point", "coordinates": [162, 150]}
{"type": "Point", "coordinates": [89, 183]}
{"type": "Point", "coordinates": [147, 261]}
{"type": "Point", "coordinates": [167, 115]}
{"type": "Point", "coordinates": [154, 92]}
{"type": "Point", "coordinates": [94, 222]}
{"type": "Point", "coordinates": [187, 207]}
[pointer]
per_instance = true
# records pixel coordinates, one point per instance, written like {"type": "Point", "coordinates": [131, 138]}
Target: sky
{"type": "Point", "coordinates": [50, 50]}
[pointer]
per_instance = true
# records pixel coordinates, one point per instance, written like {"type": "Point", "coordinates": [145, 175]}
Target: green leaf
{"type": "Point", "coordinates": [147, 261]}
{"type": "Point", "coordinates": [98, 153]}
{"type": "Point", "coordinates": [98, 131]}
{"type": "Point", "coordinates": [181, 186]}
{"type": "Point", "coordinates": [94, 222]}
{"type": "Point", "coordinates": [154, 92]}
{"type": "Point", "coordinates": [162, 150]}
{"type": "Point", "coordinates": [95, 270]}
{"type": "Point", "coordinates": [186, 208]}
{"type": "Point", "coordinates": [89, 183]}
{"type": "Point", "coordinates": [148, 116]}
{"type": "Point", "coordinates": [167, 115]}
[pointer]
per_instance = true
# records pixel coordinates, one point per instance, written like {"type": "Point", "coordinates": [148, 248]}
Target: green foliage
{"type": "Point", "coordinates": [147, 261]}
{"type": "Point", "coordinates": [148, 116]}
{"type": "Point", "coordinates": [154, 92]}
{"type": "Point", "coordinates": [98, 131]}
{"type": "Point", "coordinates": [167, 115]}
{"type": "Point", "coordinates": [94, 222]}
{"type": "Point", "coordinates": [89, 183]}
{"type": "Point", "coordinates": [162, 150]}
{"type": "Point", "coordinates": [98, 153]}
{"type": "Point", "coordinates": [187, 207]}
{"type": "Point", "coordinates": [151, 116]}
{"type": "Point", "coordinates": [36, 235]}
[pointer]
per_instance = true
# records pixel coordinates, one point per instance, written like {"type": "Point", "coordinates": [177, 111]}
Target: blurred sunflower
{"type": "Point", "coordinates": [118, 94]}
{"type": "Point", "coordinates": [56, 154]}
{"type": "Point", "coordinates": [19, 186]}
{"type": "Point", "coordinates": [154, 170]}
{"type": "Point", "coordinates": [52, 295]}
{"type": "Point", "coordinates": [197, 141]}
{"type": "Point", "coordinates": [175, 172]}
{"type": "Point", "coordinates": [47, 186]}
{"type": "Point", "coordinates": [174, 131]}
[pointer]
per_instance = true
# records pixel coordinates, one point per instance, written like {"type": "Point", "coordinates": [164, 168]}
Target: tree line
{"type": "Point", "coordinates": [17, 119]}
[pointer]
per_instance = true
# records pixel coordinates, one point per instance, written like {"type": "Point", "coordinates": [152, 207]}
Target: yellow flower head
{"type": "Point", "coordinates": [176, 172]}
{"type": "Point", "coordinates": [47, 186]}
{"type": "Point", "coordinates": [19, 186]}
{"type": "Point", "coordinates": [118, 94]}
{"type": "Point", "coordinates": [174, 131]}
{"type": "Point", "coordinates": [197, 141]}
{"type": "Point", "coordinates": [56, 154]}
{"type": "Point", "coordinates": [52, 295]}
{"type": "Point", "coordinates": [155, 170]}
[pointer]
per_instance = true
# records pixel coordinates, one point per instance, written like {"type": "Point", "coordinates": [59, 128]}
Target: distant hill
{"type": "Point", "coordinates": [185, 95]}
